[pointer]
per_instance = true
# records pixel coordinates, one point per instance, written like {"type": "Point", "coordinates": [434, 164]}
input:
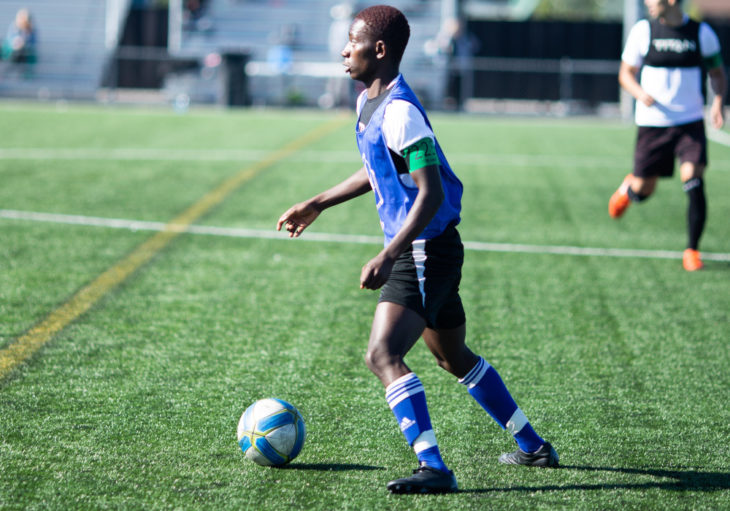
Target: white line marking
{"type": "Point", "coordinates": [139, 225]}
{"type": "Point", "coordinates": [586, 251]}
{"type": "Point", "coordinates": [349, 157]}
{"type": "Point", "coordinates": [719, 136]}
{"type": "Point", "coordinates": [125, 154]}
{"type": "Point", "coordinates": [25, 346]}
{"type": "Point", "coordinates": [129, 154]}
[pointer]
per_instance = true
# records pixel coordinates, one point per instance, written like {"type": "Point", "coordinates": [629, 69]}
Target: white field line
{"type": "Point", "coordinates": [138, 225]}
{"type": "Point", "coordinates": [346, 157]}
{"type": "Point", "coordinates": [82, 154]}
{"type": "Point", "coordinates": [25, 346]}
{"type": "Point", "coordinates": [225, 155]}
{"type": "Point", "coordinates": [719, 136]}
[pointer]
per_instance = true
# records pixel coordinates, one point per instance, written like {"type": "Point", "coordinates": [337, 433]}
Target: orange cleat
{"type": "Point", "coordinates": [691, 260]}
{"type": "Point", "coordinates": [619, 201]}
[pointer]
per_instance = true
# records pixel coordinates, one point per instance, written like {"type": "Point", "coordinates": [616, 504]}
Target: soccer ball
{"type": "Point", "coordinates": [271, 432]}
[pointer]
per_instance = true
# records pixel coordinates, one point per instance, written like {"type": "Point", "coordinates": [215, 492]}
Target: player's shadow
{"type": "Point", "coordinates": [329, 467]}
{"type": "Point", "coordinates": [717, 266]}
{"type": "Point", "coordinates": [680, 480]}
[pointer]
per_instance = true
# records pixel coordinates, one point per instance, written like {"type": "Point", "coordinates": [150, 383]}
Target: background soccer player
{"type": "Point", "coordinates": [418, 198]}
{"type": "Point", "coordinates": [671, 50]}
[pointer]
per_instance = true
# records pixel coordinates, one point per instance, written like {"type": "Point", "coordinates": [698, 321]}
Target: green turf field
{"type": "Point", "coordinates": [131, 395]}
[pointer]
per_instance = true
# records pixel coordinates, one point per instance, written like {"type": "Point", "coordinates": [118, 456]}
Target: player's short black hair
{"type": "Point", "coordinates": [388, 24]}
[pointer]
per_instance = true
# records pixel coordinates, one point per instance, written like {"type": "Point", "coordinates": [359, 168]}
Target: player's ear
{"type": "Point", "coordinates": [381, 50]}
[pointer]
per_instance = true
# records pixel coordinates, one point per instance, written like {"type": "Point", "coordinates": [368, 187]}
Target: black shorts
{"type": "Point", "coordinates": [657, 148]}
{"type": "Point", "coordinates": [425, 279]}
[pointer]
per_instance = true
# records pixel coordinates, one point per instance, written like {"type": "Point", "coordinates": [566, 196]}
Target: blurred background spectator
{"type": "Point", "coordinates": [19, 45]}
{"type": "Point", "coordinates": [457, 45]}
{"type": "Point", "coordinates": [194, 17]}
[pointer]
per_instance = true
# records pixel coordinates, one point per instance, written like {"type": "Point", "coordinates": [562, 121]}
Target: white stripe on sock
{"type": "Point", "coordinates": [424, 441]}
{"type": "Point", "coordinates": [516, 422]}
{"type": "Point", "coordinates": [476, 374]}
{"type": "Point", "coordinates": [402, 388]}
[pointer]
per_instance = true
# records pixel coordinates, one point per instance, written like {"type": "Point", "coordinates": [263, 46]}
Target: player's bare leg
{"type": "Point", "coordinates": [487, 388]}
{"type": "Point", "coordinates": [394, 332]}
{"type": "Point", "coordinates": [644, 186]}
{"type": "Point", "coordinates": [632, 189]}
{"type": "Point", "coordinates": [450, 349]}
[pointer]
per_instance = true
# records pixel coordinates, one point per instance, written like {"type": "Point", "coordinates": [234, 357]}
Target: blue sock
{"type": "Point", "coordinates": [488, 389]}
{"type": "Point", "coordinates": [407, 400]}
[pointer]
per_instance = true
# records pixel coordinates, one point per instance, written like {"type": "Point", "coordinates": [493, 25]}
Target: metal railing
{"type": "Point", "coordinates": [566, 68]}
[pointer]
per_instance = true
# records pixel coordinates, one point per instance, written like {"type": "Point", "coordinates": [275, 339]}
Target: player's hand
{"type": "Point", "coordinates": [717, 117]}
{"type": "Point", "coordinates": [376, 272]}
{"type": "Point", "coordinates": [297, 218]}
{"type": "Point", "coordinates": [646, 99]}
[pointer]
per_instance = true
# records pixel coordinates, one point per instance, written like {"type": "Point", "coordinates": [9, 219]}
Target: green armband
{"type": "Point", "coordinates": [713, 61]}
{"type": "Point", "coordinates": [421, 154]}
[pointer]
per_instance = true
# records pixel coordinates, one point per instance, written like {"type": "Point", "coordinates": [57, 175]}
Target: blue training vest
{"type": "Point", "coordinates": [395, 193]}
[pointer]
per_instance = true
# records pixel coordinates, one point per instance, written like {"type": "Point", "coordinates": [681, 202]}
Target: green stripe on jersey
{"type": "Point", "coordinates": [421, 154]}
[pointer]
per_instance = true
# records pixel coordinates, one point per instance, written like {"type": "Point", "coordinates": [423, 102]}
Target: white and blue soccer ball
{"type": "Point", "coordinates": [271, 432]}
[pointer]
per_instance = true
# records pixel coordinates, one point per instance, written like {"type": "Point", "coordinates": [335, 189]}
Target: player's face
{"type": "Point", "coordinates": [360, 53]}
{"type": "Point", "coordinates": [656, 8]}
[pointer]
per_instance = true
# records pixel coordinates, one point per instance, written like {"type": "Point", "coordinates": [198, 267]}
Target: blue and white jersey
{"type": "Point", "coordinates": [405, 123]}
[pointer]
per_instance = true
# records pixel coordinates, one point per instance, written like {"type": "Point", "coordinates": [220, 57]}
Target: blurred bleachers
{"type": "Point", "coordinates": [257, 27]}
{"type": "Point", "coordinates": [71, 49]}
{"type": "Point", "coordinates": [257, 24]}
{"type": "Point", "coordinates": [76, 42]}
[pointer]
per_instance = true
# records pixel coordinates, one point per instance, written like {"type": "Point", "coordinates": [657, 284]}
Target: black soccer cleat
{"type": "Point", "coordinates": [545, 456]}
{"type": "Point", "coordinates": [425, 479]}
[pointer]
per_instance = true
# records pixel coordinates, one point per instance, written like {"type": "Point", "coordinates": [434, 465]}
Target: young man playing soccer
{"type": "Point", "coordinates": [418, 198]}
{"type": "Point", "coordinates": [671, 50]}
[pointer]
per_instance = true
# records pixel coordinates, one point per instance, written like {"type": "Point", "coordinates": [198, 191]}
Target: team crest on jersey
{"type": "Point", "coordinates": [360, 127]}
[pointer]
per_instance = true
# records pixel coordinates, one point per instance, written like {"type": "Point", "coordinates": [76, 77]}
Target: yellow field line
{"type": "Point", "coordinates": [26, 345]}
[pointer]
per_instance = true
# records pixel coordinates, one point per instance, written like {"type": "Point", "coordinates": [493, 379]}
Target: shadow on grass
{"type": "Point", "coordinates": [716, 265]}
{"type": "Point", "coordinates": [681, 480]}
{"type": "Point", "coordinates": [328, 467]}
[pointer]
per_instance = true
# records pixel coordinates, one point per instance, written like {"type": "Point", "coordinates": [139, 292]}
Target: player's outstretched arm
{"type": "Point", "coordinates": [301, 215]}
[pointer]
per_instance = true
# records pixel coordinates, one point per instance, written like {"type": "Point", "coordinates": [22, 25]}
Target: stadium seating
{"type": "Point", "coordinates": [72, 49]}
{"type": "Point", "coordinates": [75, 41]}
{"type": "Point", "coordinates": [256, 26]}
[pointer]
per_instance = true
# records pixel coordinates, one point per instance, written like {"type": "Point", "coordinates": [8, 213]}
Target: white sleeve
{"type": "Point", "coordinates": [403, 125]}
{"type": "Point", "coordinates": [360, 102]}
{"type": "Point", "coordinates": [637, 44]}
{"type": "Point", "coordinates": [709, 43]}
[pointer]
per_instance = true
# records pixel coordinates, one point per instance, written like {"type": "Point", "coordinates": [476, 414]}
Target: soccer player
{"type": "Point", "coordinates": [672, 51]}
{"type": "Point", "coordinates": [418, 199]}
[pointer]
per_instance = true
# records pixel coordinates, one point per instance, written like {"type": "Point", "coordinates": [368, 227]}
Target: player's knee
{"type": "Point", "coordinates": [689, 171]}
{"type": "Point", "coordinates": [378, 360]}
{"type": "Point", "coordinates": [370, 360]}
